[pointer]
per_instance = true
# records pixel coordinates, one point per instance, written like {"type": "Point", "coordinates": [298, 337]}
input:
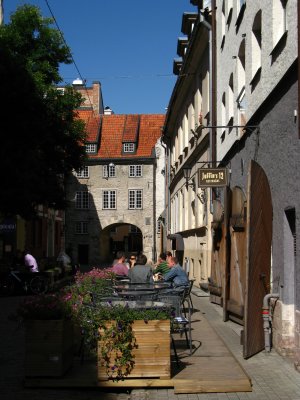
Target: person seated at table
{"type": "Point", "coordinates": [120, 268]}
{"type": "Point", "coordinates": [132, 261]}
{"type": "Point", "coordinates": [169, 255]}
{"type": "Point", "coordinates": [176, 275]}
{"type": "Point", "coordinates": [141, 273]}
{"type": "Point", "coordinates": [162, 267]}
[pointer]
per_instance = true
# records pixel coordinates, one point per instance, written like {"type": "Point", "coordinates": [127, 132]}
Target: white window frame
{"type": "Point", "coordinates": [81, 228]}
{"type": "Point", "coordinates": [133, 229]}
{"type": "Point", "coordinates": [82, 200]}
{"type": "Point", "coordinates": [135, 171]}
{"type": "Point", "coordinates": [135, 199]}
{"type": "Point", "coordinates": [128, 147]}
{"type": "Point", "coordinates": [83, 172]}
{"type": "Point", "coordinates": [109, 199]}
{"type": "Point", "coordinates": [109, 171]}
{"type": "Point", "coordinates": [91, 148]}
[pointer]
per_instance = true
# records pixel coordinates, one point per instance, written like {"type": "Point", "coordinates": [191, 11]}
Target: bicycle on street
{"type": "Point", "coordinates": [27, 282]}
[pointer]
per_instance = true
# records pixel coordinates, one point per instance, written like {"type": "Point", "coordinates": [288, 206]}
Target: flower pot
{"type": "Point", "coordinates": [151, 352]}
{"type": "Point", "coordinates": [48, 347]}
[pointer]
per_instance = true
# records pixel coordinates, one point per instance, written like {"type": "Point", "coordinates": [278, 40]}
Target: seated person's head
{"type": "Point", "coordinates": [133, 259]}
{"type": "Point", "coordinates": [162, 257]}
{"type": "Point", "coordinates": [120, 256]}
{"type": "Point", "coordinates": [141, 259]}
{"type": "Point", "coordinates": [173, 261]}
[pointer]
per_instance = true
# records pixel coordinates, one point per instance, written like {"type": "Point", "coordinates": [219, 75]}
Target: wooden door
{"type": "Point", "coordinates": [216, 280]}
{"type": "Point", "coordinates": [258, 261]}
{"type": "Point", "coordinates": [237, 263]}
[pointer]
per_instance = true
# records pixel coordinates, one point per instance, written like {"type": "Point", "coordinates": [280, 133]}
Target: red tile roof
{"type": "Point", "coordinates": [131, 128]}
{"type": "Point", "coordinates": [92, 122]}
{"type": "Point", "coordinates": [116, 128]}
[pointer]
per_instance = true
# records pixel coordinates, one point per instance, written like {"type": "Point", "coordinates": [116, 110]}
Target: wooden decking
{"type": "Point", "coordinates": [211, 368]}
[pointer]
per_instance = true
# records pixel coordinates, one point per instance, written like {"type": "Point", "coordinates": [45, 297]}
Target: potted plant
{"type": "Point", "coordinates": [132, 340]}
{"type": "Point", "coordinates": [97, 282]}
{"type": "Point", "coordinates": [48, 334]}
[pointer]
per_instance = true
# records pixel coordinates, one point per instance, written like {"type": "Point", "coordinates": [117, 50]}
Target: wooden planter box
{"type": "Point", "coordinates": [48, 347]}
{"type": "Point", "coordinates": [152, 355]}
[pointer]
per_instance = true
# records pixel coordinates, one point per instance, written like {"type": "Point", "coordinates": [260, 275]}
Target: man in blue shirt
{"type": "Point", "coordinates": [176, 275]}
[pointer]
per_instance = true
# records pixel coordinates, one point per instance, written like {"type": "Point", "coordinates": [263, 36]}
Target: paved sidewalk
{"type": "Point", "coordinates": [272, 376]}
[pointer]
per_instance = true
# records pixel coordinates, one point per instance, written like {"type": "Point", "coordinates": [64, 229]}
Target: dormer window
{"type": "Point", "coordinates": [91, 148]}
{"type": "Point", "coordinates": [128, 147]}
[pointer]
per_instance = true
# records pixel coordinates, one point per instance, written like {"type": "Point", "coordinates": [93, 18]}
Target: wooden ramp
{"type": "Point", "coordinates": [211, 368]}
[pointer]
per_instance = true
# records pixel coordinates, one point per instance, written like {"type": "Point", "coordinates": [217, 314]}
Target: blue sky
{"type": "Point", "coordinates": [128, 46]}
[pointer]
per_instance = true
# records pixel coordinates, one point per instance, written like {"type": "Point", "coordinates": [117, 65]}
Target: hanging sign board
{"type": "Point", "coordinates": [212, 177]}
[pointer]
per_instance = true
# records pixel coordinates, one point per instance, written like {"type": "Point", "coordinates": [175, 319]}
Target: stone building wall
{"type": "Point", "coordinates": [99, 219]}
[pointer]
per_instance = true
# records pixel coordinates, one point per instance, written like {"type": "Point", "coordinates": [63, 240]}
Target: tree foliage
{"type": "Point", "coordinates": [41, 137]}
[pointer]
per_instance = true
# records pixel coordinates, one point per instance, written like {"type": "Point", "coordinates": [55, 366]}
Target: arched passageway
{"type": "Point", "coordinates": [115, 237]}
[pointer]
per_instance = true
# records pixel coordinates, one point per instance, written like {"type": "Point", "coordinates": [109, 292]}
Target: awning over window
{"type": "Point", "coordinates": [177, 240]}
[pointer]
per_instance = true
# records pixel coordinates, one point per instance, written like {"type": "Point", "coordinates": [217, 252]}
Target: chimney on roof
{"type": "Point", "coordinates": [77, 82]}
{"type": "Point", "coordinates": [108, 111]}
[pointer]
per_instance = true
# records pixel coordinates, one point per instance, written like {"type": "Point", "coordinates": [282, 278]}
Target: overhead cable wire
{"type": "Point", "coordinates": [77, 69]}
{"type": "Point", "coordinates": [137, 76]}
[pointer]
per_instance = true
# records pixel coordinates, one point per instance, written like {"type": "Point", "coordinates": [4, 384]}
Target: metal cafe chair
{"type": "Point", "coordinates": [180, 323]}
{"type": "Point", "coordinates": [187, 296]}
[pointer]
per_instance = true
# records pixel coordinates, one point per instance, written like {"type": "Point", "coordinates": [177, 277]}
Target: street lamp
{"type": "Point", "coordinates": [187, 174]}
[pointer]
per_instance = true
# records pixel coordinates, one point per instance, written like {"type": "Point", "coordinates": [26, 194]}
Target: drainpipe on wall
{"type": "Point", "coordinates": [167, 177]}
{"type": "Point", "coordinates": [154, 211]}
{"type": "Point", "coordinates": [167, 169]}
{"type": "Point", "coordinates": [212, 88]}
{"type": "Point", "coordinates": [266, 314]}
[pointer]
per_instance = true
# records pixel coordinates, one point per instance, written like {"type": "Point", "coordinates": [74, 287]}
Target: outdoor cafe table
{"type": "Point", "coordinates": [137, 294]}
{"type": "Point", "coordinates": [141, 287]}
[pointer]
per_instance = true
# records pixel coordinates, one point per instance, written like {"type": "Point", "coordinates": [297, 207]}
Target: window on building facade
{"type": "Point", "coordinates": [241, 65]}
{"type": "Point", "coordinates": [82, 200]}
{"type": "Point", "coordinates": [241, 103]}
{"type": "Point", "coordinates": [133, 229]}
{"type": "Point", "coordinates": [128, 147]}
{"type": "Point", "coordinates": [256, 44]}
{"type": "Point", "coordinates": [109, 171]}
{"type": "Point", "coordinates": [184, 142]}
{"type": "Point", "coordinates": [223, 109]}
{"type": "Point", "coordinates": [90, 148]}
{"type": "Point", "coordinates": [135, 171]}
{"type": "Point", "coordinates": [81, 227]}
{"type": "Point", "coordinates": [109, 199]}
{"type": "Point", "coordinates": [229, 12]}
{"type": "Point", "coordinates": [279, 19]}
{"type": "Point", "coordinates": [135, 199]}
{"type": "Point", "coordinates": [230, 98]}
{"type": "Point", "coordinates": [83, 172]}
{"type": "Point", "coordinates": [240, 8]}
{"type": "Point", "coordinates": [240, 4]}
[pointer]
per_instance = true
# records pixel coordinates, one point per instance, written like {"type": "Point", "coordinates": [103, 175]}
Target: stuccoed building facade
{"type": "Point", "coordinates": [235, 104]}
{"type": "Point", "coordinates": [258, 140]}
{"type": "Point", "coordinates": [114, 201]}
{"type": "Point", "coordinates": [187, 142]}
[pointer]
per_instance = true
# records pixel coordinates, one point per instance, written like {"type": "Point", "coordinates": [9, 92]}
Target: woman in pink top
{"type": "Point", "coordinates": [120, 268]}
{"type": "Point", "coordinates": [30, 262]}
